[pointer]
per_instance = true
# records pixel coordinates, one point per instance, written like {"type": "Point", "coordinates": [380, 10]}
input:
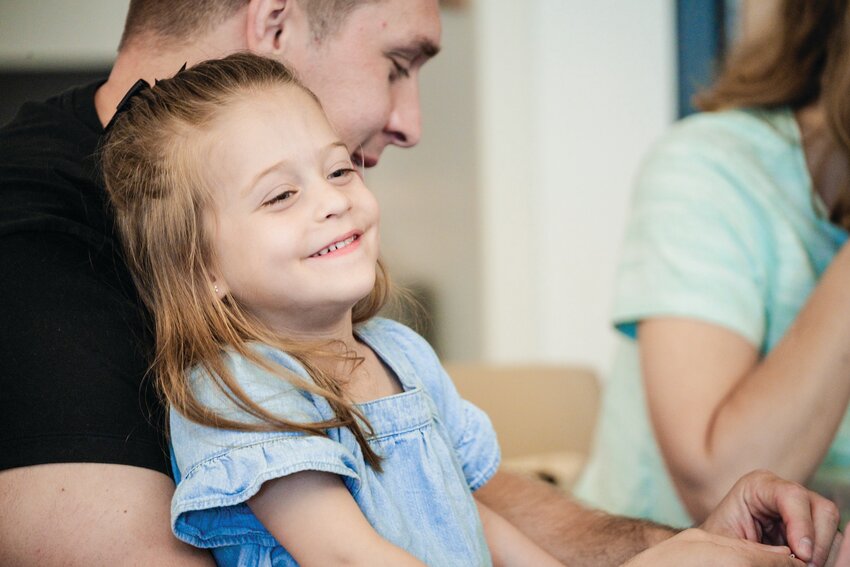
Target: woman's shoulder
{"type": "Point", "coordinates": [723, 152]}
{"type": "Point", "coordinates": [752, 130]}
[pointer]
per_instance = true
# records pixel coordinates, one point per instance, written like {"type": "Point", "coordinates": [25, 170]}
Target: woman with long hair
{"type": "Point", "coordinates": [733, 292]}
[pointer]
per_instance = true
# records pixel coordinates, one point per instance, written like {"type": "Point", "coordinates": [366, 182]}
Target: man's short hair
{"type": "Point", "coordinates": [182, 20]}
{"type": "Point", "coordinates": [176, 20]}
{"type": "Point", "coordinates": [326, 16]}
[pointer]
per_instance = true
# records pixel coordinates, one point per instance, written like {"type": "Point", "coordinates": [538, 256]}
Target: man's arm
{"type": "Point", "coordinates": [575, 535]}
{"type": "Point", "coordinates": [72, 394]}
{"type": "Point", "coordinates": [760, 508]}
{"type": "Point", "coordinates": [89, 514]}
{"type": "Point", "coordinates": [578, 536]}
{"type": "Point", "coordinates": [509, 546]}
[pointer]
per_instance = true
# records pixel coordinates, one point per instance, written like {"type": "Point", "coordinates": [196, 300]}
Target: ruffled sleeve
{"type": "Point", "coordinates": [222, 469]}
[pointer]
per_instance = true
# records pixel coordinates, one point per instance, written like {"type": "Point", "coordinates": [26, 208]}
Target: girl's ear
{"type": "Point", "coordinates": [268, 23]}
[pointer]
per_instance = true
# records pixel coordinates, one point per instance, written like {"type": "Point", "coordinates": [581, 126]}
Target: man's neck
{"type": "Point", "coordinates": [149, 59]}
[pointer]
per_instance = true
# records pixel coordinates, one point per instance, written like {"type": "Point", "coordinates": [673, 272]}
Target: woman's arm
{"type": "Point", "coordinates": [718, 411]}
{"type": "Point", "coordinates": [315, 518]}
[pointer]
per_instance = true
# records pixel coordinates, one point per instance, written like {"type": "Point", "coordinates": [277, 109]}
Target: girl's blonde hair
{"type": "Point", "coordinates": [152, 166]}
{"type": "Point", "coordinates": [803, 58]}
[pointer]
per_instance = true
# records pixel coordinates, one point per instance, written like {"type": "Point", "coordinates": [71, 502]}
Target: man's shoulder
{"type": "Point", "coordinates": [42, 125]}
{"type": "Point", "coordinates": [48, 167]}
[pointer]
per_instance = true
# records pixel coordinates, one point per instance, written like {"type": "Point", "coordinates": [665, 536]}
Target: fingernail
{"type": "Point", "coordinates": [806, 547]}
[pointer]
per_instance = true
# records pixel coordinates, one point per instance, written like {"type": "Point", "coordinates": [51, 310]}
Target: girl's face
{"type": "Point", "coordinates": [295, 229]}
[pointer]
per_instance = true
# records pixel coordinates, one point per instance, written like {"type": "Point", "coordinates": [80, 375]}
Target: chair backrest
{"type": "Point", "coordinates": [534, 408]}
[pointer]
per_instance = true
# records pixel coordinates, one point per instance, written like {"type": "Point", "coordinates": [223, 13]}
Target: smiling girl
{"type": "Point", "coordinates": [304, 430]}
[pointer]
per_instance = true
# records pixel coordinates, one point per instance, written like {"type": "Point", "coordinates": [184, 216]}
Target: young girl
{"type": "Point", "coordinates": [305, 430]}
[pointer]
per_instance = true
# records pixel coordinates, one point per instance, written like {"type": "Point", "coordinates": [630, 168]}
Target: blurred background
{"type": "Point", "coordinates": [507, 218]}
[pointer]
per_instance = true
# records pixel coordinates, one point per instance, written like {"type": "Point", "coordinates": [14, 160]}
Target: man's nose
{"type": "Point", "coordinates": [405, 125]}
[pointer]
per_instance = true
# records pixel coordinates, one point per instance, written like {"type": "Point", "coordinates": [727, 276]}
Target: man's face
{"type": "Point", "coordinates": [366, 73]}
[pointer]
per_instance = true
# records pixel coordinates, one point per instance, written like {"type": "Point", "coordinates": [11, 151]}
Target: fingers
{"type": "Point", "coordinates": [825, 517]}
{"type": "Point", "coordinates": [697, 548]}
{"type": "Point", "coordinates": [840, 553]}
{"type": "Point", "coordinates": [811, 522]}
{"type": "Point", "coordinates": [833, 552]}
{"type": "Point", "coordinates": [761, 554]}
{"type": "Point", "coordinates": [791, 502]}
{"type": "Point", "coordinates": [810, 519]}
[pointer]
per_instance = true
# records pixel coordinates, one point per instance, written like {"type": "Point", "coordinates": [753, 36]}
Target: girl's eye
{"type": "Point", "coordinates": [341, 173]}
{"type": "Point", "coordinates": [283, 196]}
{"type": "Point", "coordinates": [399, 71]}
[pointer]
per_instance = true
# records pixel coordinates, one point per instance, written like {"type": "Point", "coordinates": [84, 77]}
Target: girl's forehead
{"type": "Point", "coordinates": [280, 129]}
{"type": "Point", "coordinates": [273, 97]}
{"type": "Point", "coordinates": [261, 115]}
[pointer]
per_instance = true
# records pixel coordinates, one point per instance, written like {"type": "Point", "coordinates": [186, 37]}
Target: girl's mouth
{"type": "Point", "coordinates": [336, 246]}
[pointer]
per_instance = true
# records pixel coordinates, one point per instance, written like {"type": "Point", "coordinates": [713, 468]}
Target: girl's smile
{"type": "Point", "coordinates": [344, 245]}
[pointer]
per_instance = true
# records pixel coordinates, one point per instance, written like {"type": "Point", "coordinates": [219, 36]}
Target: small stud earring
{"type": "Point", "coordinates": [215, 287]}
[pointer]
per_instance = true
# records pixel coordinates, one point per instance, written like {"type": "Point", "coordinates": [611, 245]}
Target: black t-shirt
{"type": "Point", "coordinates": [73, 339]}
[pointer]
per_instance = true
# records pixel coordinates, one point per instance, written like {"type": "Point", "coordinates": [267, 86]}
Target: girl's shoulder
{"type": "Point", "coordinates": [390, 333]}
{"type": "Point", "coordinates": [256, 378]}
{"type": "Point", "coordinates": [402, 348]}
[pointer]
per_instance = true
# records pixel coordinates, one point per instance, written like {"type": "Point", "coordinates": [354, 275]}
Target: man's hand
{"type": "Point", "coordinates": [762, 507]}
{"type": "Point", "coordinates": [697, 548]}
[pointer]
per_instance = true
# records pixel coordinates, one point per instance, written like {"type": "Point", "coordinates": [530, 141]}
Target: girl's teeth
{"type": "Point", "coordinates": [337, 245]}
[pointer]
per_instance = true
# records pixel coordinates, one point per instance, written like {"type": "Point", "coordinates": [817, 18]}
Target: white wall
{"type": "Point", "coordinates": [571, 94]}
{"type": "Point", "coordinates": [429, 198]}
{"type": "Point", "coordinates": [53, 33]}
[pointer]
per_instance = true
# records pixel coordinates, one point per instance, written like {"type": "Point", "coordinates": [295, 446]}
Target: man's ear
{"type": "Point", "coordinates": [267, 22]}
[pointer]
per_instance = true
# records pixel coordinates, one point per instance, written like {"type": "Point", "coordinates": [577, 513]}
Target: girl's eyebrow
{"type": "Point", "coordinates": [282, 164]}
{"type": "Point", "coordinates": [333, 145]}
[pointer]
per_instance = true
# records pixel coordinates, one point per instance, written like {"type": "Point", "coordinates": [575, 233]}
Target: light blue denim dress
{"type": "Point", "coordinates": [436, 447]}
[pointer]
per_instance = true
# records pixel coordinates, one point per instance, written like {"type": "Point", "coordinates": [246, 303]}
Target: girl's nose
{"type": "Point", "coordinates": [334, 202]}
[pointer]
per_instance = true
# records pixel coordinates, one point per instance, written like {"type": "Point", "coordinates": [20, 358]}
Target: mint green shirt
{"type": "Point", "coordinates": [724, 228]}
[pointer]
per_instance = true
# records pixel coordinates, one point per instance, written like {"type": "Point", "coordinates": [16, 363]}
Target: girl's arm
{"type": "Point", "coordinates": [719, 411]}
{"type": "Point", "coordinates": [315, 518]}
{"type": "Point", "coordinates": [509, 546]}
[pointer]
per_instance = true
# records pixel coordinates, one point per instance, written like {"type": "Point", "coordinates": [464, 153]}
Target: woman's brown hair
{"type": "Point", "coordinates": [803, 58]}
{"type": "Point", "coordinates": [152, 167]}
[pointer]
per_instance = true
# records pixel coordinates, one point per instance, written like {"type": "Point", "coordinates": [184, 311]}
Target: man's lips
{"type": "Point", "coordinates": [342, 245]}
{"type": "Point", "coordinates": [363, 160]}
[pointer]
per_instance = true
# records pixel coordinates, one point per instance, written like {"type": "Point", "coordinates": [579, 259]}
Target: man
{"type": "Point", "coordinates": [85, 479]}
